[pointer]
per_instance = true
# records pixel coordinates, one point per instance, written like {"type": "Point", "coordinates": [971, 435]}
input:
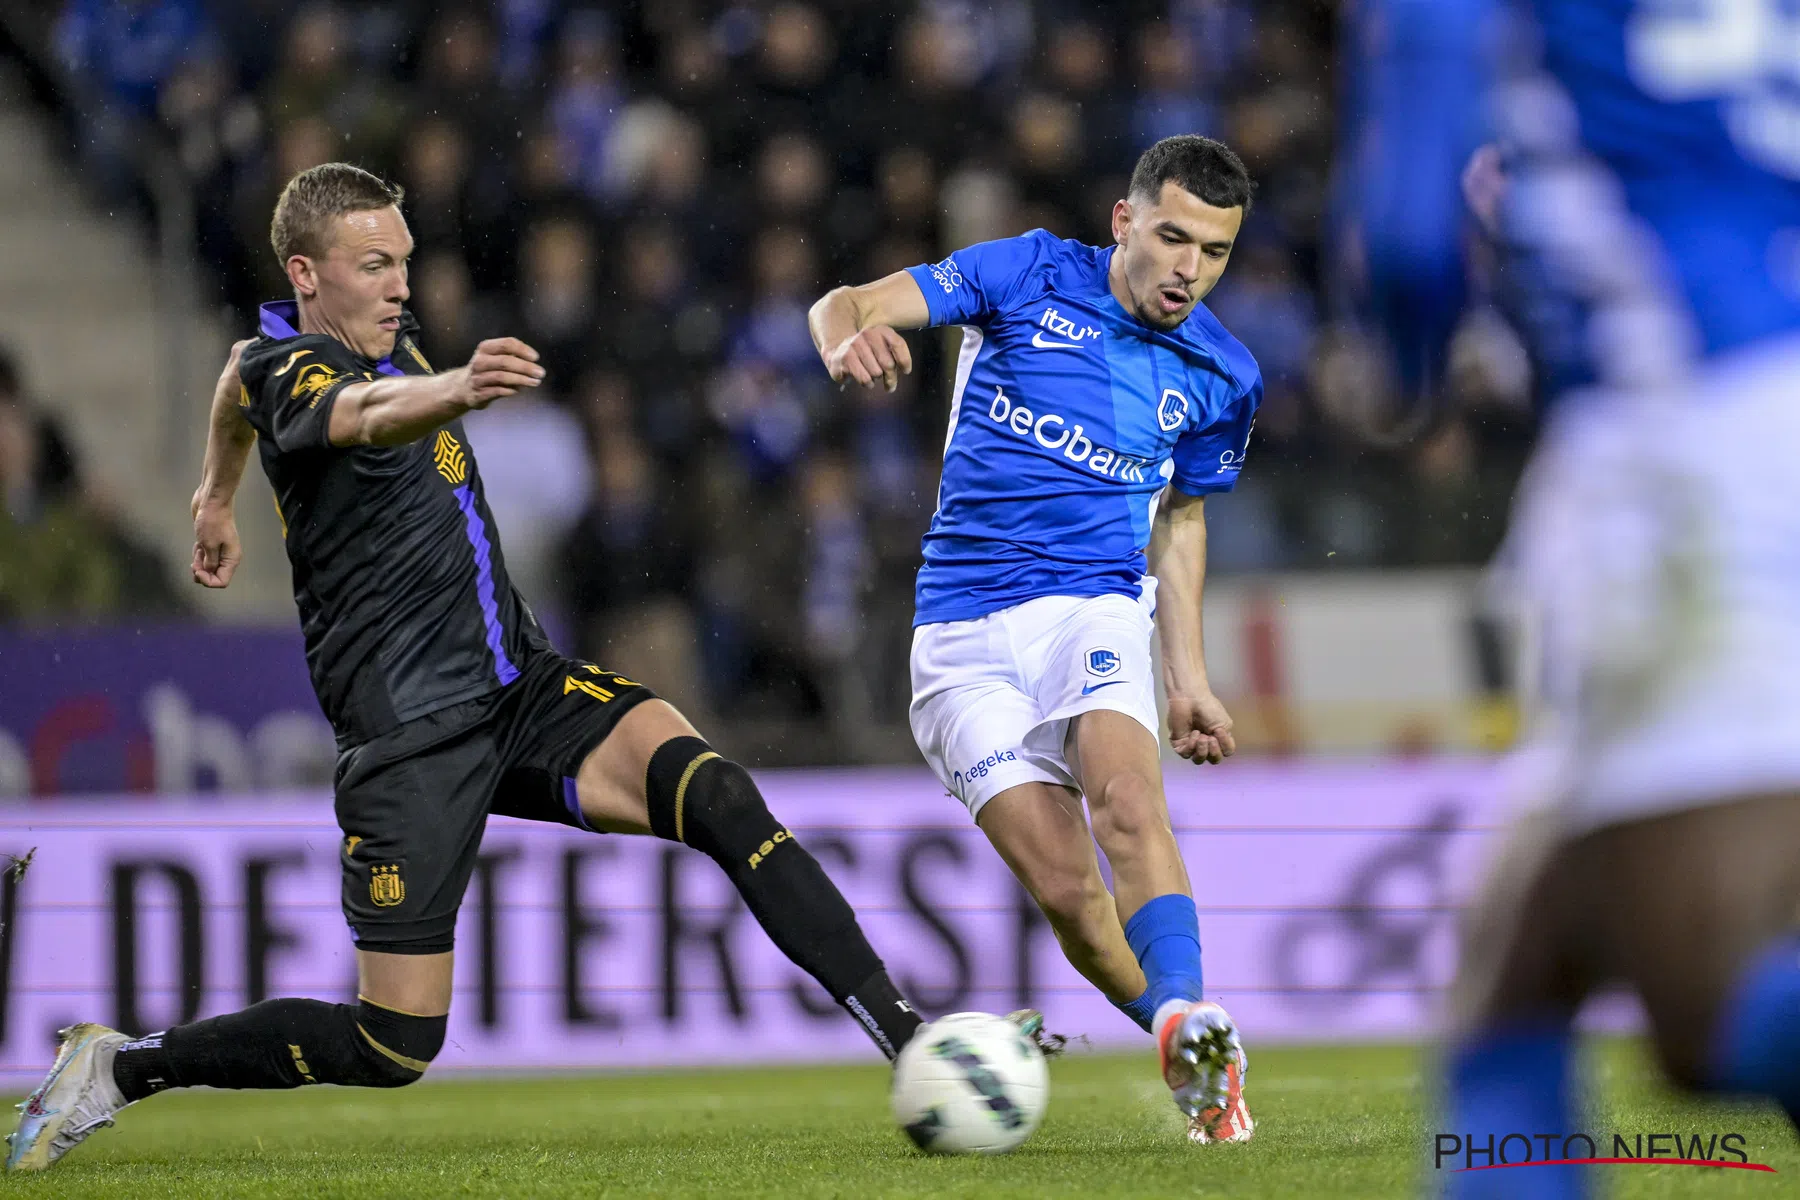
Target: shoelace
{"type": "Point", "coordinates": [73, 1134]}
{"type": "Point", "coordinates": [82, 1121]}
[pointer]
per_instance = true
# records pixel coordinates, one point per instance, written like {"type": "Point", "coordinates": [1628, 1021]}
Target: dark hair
{"type": "Point", "coordinates": [1196, 164]}
{"type": "Point", "coordinates": [315, 197]}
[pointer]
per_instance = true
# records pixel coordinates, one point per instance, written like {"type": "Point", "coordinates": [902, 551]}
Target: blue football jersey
{"type": "Point", "coordinates": [1652, 150]}
{"type": "Point", "coordinates": [1694, 108]}
{"type": "Point", "coordinates": [1068, 419]}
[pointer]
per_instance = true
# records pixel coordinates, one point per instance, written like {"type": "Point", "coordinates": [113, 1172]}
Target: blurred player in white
{"type": "Point", "coordinates": [1097, 403]}
{"type": "Point", "coordinates": [1642, 182]}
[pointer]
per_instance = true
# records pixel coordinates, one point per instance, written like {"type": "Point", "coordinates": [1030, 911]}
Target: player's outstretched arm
{"type": "Point", "coordinates": [401, 409]}
{"type": "Point", "coordinates": [1199, 726]}
{"type": "Point", "coordinates": [229, 438]}
{"type": "Point", "coordinates": [854, 329]}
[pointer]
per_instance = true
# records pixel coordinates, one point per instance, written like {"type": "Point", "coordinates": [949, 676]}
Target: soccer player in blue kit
{"type": "Point", "coordinates": [1097, 404]}
{"type": "Point", "coordinates": [1637, 167]}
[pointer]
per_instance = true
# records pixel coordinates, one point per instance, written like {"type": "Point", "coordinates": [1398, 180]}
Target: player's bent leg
{"type": "Point", "coordinates": [1712, 950]}
{"type": "Point", "coordinates": [611, 781]}
{"type": "Point", "coordinates": [1520, 979]}
{"type": "Point", "coordinates": [417, 983]}
{"type": "Point", "coordinates": [1042, 834]}
{"type": "Point", "coordinates": [1118, 761]}
{"type": "Point", "coordinates": [1119, 765]}
{"type": "Point", "coordinates": [283, 1043]}
{"type": "Point", "coordinates": [654, 774]}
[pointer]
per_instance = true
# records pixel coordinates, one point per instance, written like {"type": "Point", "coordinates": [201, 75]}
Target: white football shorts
{"type": "Point", "coordinates": [1656, 545]}
{"type": "Point", "coordinates": [993, 696]}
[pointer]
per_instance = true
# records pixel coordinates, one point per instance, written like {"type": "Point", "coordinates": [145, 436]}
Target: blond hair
{"type": "Point", "coordinates": [319, 195]}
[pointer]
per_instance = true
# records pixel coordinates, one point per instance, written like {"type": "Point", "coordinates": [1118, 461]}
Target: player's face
{"type": "Point", "coordinates": [1171, 253]}
{"type": "Point", "coordinates": [361, 282]}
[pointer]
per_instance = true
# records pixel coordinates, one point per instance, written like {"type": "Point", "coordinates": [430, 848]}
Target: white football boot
{"type": "Point", "coordinates": [1031, 1023]}
{"type": "Point", "coordinates": [76, 1098]}
{"type": "Point", "coordinates": [1204, 1065]}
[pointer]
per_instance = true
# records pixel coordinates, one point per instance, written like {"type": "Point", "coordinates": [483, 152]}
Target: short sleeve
{"type": "Point", "coordinates": [290, 385]}
{"type": "Point", "coordinates": [1209, 459]}
{"type": "Point", "coordinates": [975, 283]}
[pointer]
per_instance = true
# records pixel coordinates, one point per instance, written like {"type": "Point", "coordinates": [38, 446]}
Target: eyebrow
{"type": "Point", "coordinates": [1167, 226]}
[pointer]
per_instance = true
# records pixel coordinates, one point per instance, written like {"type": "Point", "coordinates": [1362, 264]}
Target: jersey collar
{"type": "Point", "coordinates": [280, 320]}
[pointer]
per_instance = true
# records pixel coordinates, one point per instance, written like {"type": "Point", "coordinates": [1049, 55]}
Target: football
{"type": "Point", "coordinates": [970, 1083]}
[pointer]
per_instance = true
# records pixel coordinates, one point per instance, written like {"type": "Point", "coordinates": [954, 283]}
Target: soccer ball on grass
{"type": "Point", "coordinates": [970, 1083]}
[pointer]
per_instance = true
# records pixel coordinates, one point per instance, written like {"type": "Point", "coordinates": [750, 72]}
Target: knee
{"type": "Point", "coordinates": [1130, 808]}
{"type": "Point", "coordinates": [397, 1047]}
{"type": "Point", "coordinates": [1072, 898]}
{"type": "Point", "coordinates": [705, 801]}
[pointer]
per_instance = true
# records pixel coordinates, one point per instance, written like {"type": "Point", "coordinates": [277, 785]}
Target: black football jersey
{"type": "Point", "coordinates": [403, 594]}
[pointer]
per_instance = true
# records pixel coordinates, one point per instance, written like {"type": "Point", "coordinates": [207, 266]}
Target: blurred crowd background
{"type": "Point", "coordinates": [653, 194]}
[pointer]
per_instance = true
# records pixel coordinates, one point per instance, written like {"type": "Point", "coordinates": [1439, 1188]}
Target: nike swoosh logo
{"type": "Point", "coordinates": [288, 365]}
{"type": "Point", "coordinates": [1091, 688]}
{"type": "Point", "coordinates": [1037, 339]}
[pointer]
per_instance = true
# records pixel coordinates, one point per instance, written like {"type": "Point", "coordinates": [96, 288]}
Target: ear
{"type": "Point", "coordinates": [1121, 225]}
{"type": "Point", "coordinates": [302, 276]}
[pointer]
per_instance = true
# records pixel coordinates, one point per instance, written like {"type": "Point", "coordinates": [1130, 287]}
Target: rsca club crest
{"type": "Point", "coordinates": [386, 888]}
{"type": "Point", "coordinates": [1171, 411]}
{"type": "Point", "coordinates": [1102, 662]}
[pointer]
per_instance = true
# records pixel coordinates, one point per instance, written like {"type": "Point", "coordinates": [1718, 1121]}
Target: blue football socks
{"type": "Point", "coordinates": [1759, 1030]}
{"type": "Point", "coordinates": [1139, 1010]}
{"type": "Point", "coordinates": [1165, 936]}
{"type": "Point", "coordinates": [1505, 1087]}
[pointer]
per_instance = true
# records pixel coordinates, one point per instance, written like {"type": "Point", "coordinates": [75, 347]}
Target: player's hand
{"type": "Point", "coordinates": [1200, 728]}
{"type": "Point", "coordinates": [501, 367]}
{"type": "Point", "coordinates": [876, 353]}
{"type": "Point", "coordinates": [217, 551]}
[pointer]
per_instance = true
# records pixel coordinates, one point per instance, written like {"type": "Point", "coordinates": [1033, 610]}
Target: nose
{"type": "Point", "coordinates": [400, 292]}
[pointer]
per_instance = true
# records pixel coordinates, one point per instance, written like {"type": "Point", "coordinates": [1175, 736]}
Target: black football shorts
{"type": "Point", "coordinates": [413, 803]}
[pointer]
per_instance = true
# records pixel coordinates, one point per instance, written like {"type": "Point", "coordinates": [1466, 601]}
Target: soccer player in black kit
{"type": "Point", "coordinates": [447, 699]}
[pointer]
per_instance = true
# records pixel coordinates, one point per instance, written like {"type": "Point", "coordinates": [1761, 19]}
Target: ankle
{"type": "Point", "coordinates": [1168, 1009]}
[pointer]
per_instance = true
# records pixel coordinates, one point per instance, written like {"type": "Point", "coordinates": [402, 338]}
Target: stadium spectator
{"type": "Point", "coordinates": [443, 293]}
{"type": "Point", "coordinates": [64, 556]}
{"type": "Point", "coordinates": [127, 51]}
{"type": "Point", "coordinates": [318, 80]}
{"type": "Point", "coordinates": [627, 563]}
{"type": "Point", "coordinates": [558, 305]}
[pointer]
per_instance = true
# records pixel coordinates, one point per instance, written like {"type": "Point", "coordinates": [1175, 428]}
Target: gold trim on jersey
{"type": "Point", "coordinates": [447, 456]}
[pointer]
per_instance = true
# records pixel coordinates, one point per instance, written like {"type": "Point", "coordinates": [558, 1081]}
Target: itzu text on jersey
{"type": "Point", "coordinates": [1069, 418]}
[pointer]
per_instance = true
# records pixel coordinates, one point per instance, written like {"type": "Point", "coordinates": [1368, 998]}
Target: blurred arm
{"type": "Point", "coordinates": [1422, 72]}
{"type": "Point", "coordinates": [853, 329]}
{"type": "Point", "coordinates": [1199, 726]}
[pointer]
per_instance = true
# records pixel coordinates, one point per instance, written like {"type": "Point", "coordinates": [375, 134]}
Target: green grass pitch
{"type": "Point", "coordinates": [1331, 1123]}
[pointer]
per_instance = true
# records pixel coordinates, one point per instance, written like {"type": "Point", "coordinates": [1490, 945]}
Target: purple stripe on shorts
{"type": "Point", "coordinates": [484, 583]}
{"type": "Point", "coordinates": [572, 800]}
